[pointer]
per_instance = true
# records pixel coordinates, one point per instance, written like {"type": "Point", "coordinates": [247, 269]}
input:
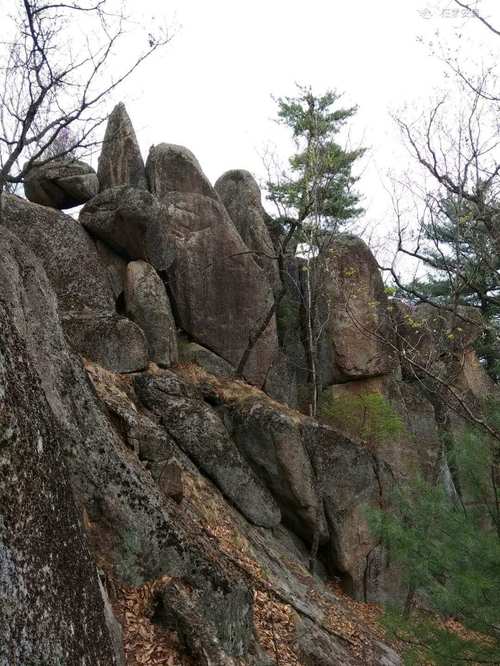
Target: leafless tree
{"type": "Point", "coordinates": [57, 67]}
{"type": "Point", "coordinates": [447, 208]}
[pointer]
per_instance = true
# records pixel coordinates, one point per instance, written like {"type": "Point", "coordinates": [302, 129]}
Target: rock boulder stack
{"type": "Point", "coordinates": [61, 183]}
{"type": "Point", "coordinates": [147, 430]}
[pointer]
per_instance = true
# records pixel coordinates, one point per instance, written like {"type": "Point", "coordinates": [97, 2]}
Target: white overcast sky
{"type": "Point", "coordinates": [211, 88]}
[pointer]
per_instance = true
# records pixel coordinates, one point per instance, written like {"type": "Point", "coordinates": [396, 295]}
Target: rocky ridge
{"type": "Point", "coordinates": [212, 520]}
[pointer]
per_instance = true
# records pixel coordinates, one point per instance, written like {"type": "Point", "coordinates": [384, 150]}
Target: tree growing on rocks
{"type": "Point", "coordinates": [314, 197]}
{"type": "Point", "coordinates": [53, 83]}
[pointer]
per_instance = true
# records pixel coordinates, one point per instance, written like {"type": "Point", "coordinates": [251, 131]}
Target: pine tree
{"type": "Point", "coordinates": [461, 255]}
{"type": "Point", "coordinates": [318, 188]}
{"type": "Point", "coordinates": [449, 555]}
{"type": "Point", "coordinates": [314, 197]}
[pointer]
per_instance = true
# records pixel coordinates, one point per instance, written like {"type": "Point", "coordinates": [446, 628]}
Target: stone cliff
{"type": "Point", "coordinates": [156, 508]}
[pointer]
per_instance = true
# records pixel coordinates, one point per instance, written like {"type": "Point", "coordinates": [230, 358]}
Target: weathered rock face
{"type": "Point", "coordinates": [281, 381]}
{"type": "Point", "coordinates": [452, 331]}
{"type": "Point", "coordinates": [220, 294]}
{"type": "Point", "coordinates": [182, 476]}
{"type": "Point", "coordinates": [191, 352]}
{"type": "Point", "coordinates": [200, 433]}
{"type": "Point", "coordinates": [393, 417]}
{"type": "Point", "coordinates": [241, 196]}
{"type": "Point", "coordinates": [172, 168]}
{"type": "Point", "coordinates": [61, 184]}
{"type": "Point", "coordinates": [133, 223]}
{"type": "Point", "coordinates": [80, 280]}
{"type": "Point", "coordinates": [215, 621]}
{"type": "Point", "coordinates": [357, 316]}
{"type": "Point", "coordinates": [146, 303]}
{"type": "Point", "coordinates": [290, 321]}
{"type": "Point", "coordinates": [97, 459]}
{"type": "Point", "coordinates": [67, 253]}
{"type": "Point", "coordinates": [436, 348]}
{"type": "Point", "coordinates": [428, 337]}
{"type": "Point", "coordinates": [474, 379]}
{"type": "Point", "coordinates": [120, 162]}
{"type": "Point", "coordinates": [350, 480]}
{"type": "Point", "coordinates": [110, 340]}
{"type": "Point", "coordinates": [272, 441]}
{"type": "Point", "coordinates": [51, 610]}
{"type": "Point", "coordinates": [212, 612]}
{"type": "Point", "coordinates": [316, 648]}
{"type": "Point", "coordinates": [116, 268]}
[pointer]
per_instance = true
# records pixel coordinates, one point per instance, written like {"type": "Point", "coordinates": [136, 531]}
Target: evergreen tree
{"type": "Point", "coordinates": [317, 191]}
{"type": "Point", "coordinates": [464, 267]}
{"type": "Point", "coordinates": [314, 197]}
{"type": "Point", "coordinates": [449, 555]}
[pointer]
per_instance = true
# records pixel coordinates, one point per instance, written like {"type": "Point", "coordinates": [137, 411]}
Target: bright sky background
{"type": "Point", "coordinates": [211, 90]}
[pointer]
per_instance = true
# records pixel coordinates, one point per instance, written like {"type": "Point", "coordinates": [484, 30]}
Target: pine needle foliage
{"type": "Point", "coordinates": [448, 549]}
{"type": "Point", "coordinates": [319, 185]}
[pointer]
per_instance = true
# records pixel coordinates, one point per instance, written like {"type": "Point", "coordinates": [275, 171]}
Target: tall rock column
{"type": "Point", "coordinates": [120, 162]}
{"type": "Point", "coordinates": [220, 294]}
{"type": "Point", "coordinates": [241, 196]}
{"type": "Point", "coordinates": [355, 311]}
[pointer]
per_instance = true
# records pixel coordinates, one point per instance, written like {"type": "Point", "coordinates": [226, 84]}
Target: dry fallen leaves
{"type": "Point", "coordinates": [147, 643]}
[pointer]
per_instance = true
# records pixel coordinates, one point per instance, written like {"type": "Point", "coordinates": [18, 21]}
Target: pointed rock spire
{"type": "Point", "coordinates": [120, 162]}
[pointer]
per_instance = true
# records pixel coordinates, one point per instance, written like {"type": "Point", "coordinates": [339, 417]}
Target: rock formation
{"type": "Point", "coordinates": [85, 298]}
{"type": "Point", "coordinates": [62, 183]}
{"type": "Point", "coordinates": [240, 195]}
{"type": "Point", "coordinates": [51, 611]}
{"type": "Point", "coordinates": [219, 293]}
{"type": "Point", "coordinates": [133, 223]}
{"type": "Point", "coordinates": [129, 445]}
{"type": "Point", "coordinates": [120, 161]}
{"type": "Point", "coordinates": [146, 303]}
{"type": "Point", "coordinates": [357, 318]}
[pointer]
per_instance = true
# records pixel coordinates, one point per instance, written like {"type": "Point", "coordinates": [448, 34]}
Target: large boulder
{"type": "Point", "coordinates": [146, 303]}
{"type": "Point", "coordinates": [120, 161]}
{"type": "Point", "coordinates": [241, 196]}
{"type": "Point", "coordinates": [271, 439]}
{"type": "Point", "coordinates": [52, 610]}
{"type": "Point", "coordinates": [352, 480]}
{"type": "Point", "coordinates": [61, 183]}
{"type": "Point", "coordinates": [79, 278]}
{"type": "Point", "coordinates": [200, 433]}
{"type": "Point", "coordinates": [220, 294]}
{"type": "Point", "coordinates": [67, 252]}
{"type": "Point", "coordinates": [357, 318]}
{"type": "Point", "coordinates": [110, 340]}
{"type": "Point", "coordinates": [133, 223]}
{"type": "Point", "coordinates": [172, 168]}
